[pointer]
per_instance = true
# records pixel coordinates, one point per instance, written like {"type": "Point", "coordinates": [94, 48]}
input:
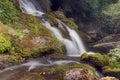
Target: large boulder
{"type": "Point", "coordinates": [107, 43]}
{"type": "Point", "coordinates": [105, 46]}
{"type": "Point", "coordinates": [79, 74]}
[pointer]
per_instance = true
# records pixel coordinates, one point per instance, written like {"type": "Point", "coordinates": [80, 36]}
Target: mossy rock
{"type": "Point", "coordinates": [97, 60]}
{"type": "Point", "coordinates": [36, 28]}
{"type": "Point", "coordinates": [58, 72]}
{"type": "Point", "coordinates": [79, 74]}
{"type": "Point", "coordinates": [52, 19]}
{"type": "Point", "coordinates": [108, 71]}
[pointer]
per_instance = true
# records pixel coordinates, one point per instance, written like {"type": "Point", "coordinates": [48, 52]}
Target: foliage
{"type": "Point", "coordinates": [8, 13]}
{"type": "Point", "coordinates": [85, 10]}
{"type": "Point", "coordinates": [108, 19]}
{"type": "Point", "coordinates": [5, 43]}
{"type": "Point", "coordinates": [114, 54]}
{"type": "Point", "coordinates": [24, 42]}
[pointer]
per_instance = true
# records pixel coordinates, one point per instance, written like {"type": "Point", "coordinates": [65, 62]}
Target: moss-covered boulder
{"type": "Point", "coordinates": [60, 72]}
{"type": "Point", "coordinates": [79, 74]}
{"type": "Point", "coordinates": [31, 38]}
{"type": "Point", "coordinates": [53, 16]}
{"type": "Point", "coordinates": [97, 60]}
{"type": "Point", "coordinates": [46, 73]}
{"type": "Point", "coordinates": [110, 71]}
{"type": "Point", "coordinates": [28, 38]}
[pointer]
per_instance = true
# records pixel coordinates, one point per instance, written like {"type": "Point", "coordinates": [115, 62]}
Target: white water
{"type": "Point", "coordinates": [74, 47]}
{"type": "Point", "coordinates": [33, 64]}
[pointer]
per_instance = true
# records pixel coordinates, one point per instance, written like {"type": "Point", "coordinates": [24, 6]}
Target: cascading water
{"type": "Point", "coordinates": [74, 47]}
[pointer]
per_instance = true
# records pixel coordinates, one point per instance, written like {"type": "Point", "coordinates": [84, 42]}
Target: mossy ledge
{"type": "Point", "coordinates": [28, 38]}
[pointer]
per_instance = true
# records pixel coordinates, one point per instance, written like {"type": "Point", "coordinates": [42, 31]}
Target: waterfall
{"type": "Point", "coordinates": [74, 46]}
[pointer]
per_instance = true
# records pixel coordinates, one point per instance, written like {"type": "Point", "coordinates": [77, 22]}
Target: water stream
{"type": "Point", "coordinates": [74, 46]}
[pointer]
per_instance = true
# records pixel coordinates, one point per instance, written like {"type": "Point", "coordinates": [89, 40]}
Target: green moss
{"type": "Point", "coordinates": [36, 28]}
{"type": "Point", "coordinates": [8, 13]}
{"type": "Point", "coordinates": [109, 71]}
{"type": "Point", "coordinates": [53, 21]}
{"type": "Point", "coordinates": [115, 54]}
{"type": "Point", "coordinates": [5, 43]}
{"type": "Point", "coordinates": [52, 17]}
{"type": "Point", "coordinates": [97, 60]}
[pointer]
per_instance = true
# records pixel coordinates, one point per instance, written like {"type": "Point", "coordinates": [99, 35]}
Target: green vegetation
{"type": "Point", "coordinates": [5, 43]}
{"type": "Point", "coordinates": [8, 13]}
{"type": "Point", "coordinates": [115, 54]}
{"type": "Point", "coordinates": [36, 41]}
{"type": "Point", "coordinates": [34, 26]}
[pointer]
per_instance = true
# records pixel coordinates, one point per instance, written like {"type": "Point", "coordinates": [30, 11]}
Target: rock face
{"type": "Point", "coordinates": [107, 43]}
{"type": "Point", "coordinates": [79, 74]}
{"type": "Point", "coordinates": [105, 46]}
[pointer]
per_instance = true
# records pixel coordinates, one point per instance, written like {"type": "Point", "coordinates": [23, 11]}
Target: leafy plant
{"type": "Point", "coordinates": [8, 12]}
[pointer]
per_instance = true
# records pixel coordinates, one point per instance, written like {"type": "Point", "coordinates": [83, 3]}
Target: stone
{"type": "Point", "coordinates": [79, 74]}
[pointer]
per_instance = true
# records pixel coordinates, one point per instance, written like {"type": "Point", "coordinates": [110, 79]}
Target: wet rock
{"type": "Point", "coordinates": [110, 38]}
{"type": "Point", "coordinates": [107, 43]}
{"type": "Point", "coordinates": [105, 46]}
{"type": "Point", "coordinates": [56, 56]}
